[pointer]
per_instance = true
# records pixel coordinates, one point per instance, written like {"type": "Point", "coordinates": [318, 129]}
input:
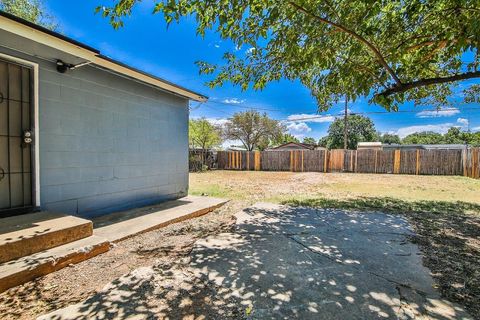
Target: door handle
{"type": "Point", "coordinates": [1, 97]}
{"type": "Point", "coordinates": [2, 173]}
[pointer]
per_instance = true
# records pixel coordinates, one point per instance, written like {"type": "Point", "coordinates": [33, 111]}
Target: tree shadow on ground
{"type": "Point", "coordinates": [448, 234]}
{"type": "Point", "coordinates": [283, 262]}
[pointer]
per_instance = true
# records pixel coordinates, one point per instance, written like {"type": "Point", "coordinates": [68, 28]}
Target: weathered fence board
{"type": "Point", "coordinates": [425, 162]}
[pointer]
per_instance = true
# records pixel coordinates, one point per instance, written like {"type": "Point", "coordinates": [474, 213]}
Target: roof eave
{"type": "Point", "coordinates": [26, 29]}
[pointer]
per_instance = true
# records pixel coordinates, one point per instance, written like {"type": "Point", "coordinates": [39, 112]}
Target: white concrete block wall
{"type": "Point", "coordinates": [108, 143]}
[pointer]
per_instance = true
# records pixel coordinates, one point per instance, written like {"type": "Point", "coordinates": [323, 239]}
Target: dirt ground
{"type": "Point", "coordinates": [77, 282]}
{"type": "Point", "coordinates": [445, 212]}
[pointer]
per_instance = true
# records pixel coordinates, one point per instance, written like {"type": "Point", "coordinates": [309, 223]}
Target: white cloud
{"type": "Point", "coordinates": [298, 128]}
{"type": "Point", "coordinates": [438, 113]}
{"type": "Point", "coordinates": [463, 121]}
{"type": "Point", "coordinates": [439, 128]}
{"type": "Point", "coordinates": [250, 50]}
{"type": "Point", "coordinates": [303, 117]}
{"type": "Point", "coordinates": [233, 101]}
{"type": "Point", "coordinates": [476, 129]}
{"type": "Point", "coordinates": [218, 121]}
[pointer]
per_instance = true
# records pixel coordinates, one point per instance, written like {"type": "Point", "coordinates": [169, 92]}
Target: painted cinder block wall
{"type": "Point", "coordinates": [107, 142]}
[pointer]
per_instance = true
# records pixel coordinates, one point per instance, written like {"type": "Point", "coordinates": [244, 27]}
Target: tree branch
{"type": "Point", "coordinates": [340, 27]}
{"type": "Point", "coordinates": [427, 82]}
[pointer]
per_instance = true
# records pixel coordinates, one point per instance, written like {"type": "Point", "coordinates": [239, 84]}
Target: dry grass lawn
{"type": "Point", "coordinates": [284, 186]}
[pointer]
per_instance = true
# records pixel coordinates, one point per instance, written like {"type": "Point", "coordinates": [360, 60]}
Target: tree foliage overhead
{"type": "Point", "coordinates": [396, 50]}
{"type": "Point", "coordinates": [253, 129]}
{"type": "Point", "coordinates": [31, 10]}
{"type": "Point", "coordinates": [360, 129]}
{"type": "Point", "coordinates": [203, 135]}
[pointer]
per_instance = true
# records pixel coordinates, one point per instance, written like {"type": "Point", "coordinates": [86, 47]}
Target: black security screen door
{"type": "Point", "coordinates": [15, 139]}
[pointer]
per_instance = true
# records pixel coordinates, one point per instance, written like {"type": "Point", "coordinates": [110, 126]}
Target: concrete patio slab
{"type": "Point", "coordinates": [122, 225]}
{"type": "Point", "coordinates": [289, 263]}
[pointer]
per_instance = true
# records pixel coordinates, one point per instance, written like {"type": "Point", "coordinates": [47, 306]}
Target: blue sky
{"type": "Point", "coordinates": [146, 43]}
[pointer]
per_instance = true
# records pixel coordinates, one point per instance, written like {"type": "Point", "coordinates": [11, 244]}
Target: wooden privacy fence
{"type": "Point", "coordinates": [424, 162]}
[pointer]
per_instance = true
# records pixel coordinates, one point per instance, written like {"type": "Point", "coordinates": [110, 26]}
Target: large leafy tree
{"type": "Point", "coordinates": [360, 129]}
{"type": "Point", "coordinates": [202, 134]}
{"type": "Point", "coordinates": [253, 129]}
{"type": "Point", "coordinates": [309, 140]}
{"type": "Point", "coordinates": [395, 51]}
{"type": "Point", "coordinates": [426, 137]}
{"type": "Point", "coordinates": [285, 138]}
{"type": "Point", "coordinates": [389, 138]}
{"type": "Point", "coordinates": [31, 10]}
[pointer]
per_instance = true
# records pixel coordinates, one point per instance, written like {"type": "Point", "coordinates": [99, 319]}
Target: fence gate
{"type": "Point", "coordinates": [15, 139]}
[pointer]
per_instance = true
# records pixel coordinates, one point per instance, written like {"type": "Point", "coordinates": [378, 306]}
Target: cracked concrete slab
{"type": "Point", "coordinates": [288, 262]}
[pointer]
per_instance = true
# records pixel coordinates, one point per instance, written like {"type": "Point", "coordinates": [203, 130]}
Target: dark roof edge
{"type": "Point", "coordinates": [93, 50]}
{"type": "Point", "coordinates": [48, 31]}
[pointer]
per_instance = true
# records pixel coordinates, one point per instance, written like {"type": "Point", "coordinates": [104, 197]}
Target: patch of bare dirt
{"type": "Point", "coordinates": [451, 250]}
{"type": "Point", "coordinates": [78, 282]}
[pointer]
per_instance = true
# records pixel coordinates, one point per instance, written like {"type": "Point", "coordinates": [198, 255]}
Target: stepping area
{"type": "Point", "coordinates": [33, 245]}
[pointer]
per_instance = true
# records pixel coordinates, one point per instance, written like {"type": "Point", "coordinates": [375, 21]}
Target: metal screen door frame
{"type": "Point", "coordinates": [35, 161]}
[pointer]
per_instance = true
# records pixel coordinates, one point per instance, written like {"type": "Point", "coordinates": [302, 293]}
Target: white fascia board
{"type": "Point", "coordinates": [33, 34]}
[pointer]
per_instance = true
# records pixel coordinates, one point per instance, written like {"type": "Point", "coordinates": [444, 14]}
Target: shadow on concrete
{"type": "Point", "coordinates": [284, 263]}
{"type": "Point", "coordinates": [305, 263]}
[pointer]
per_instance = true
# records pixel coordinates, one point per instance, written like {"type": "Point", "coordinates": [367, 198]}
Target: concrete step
{"type": "Point", "coordinates": [27, 234]}
{"type": "Point", "coordinates": [19, 271]}
{"type": "Point", "coordinates": [119, 226]}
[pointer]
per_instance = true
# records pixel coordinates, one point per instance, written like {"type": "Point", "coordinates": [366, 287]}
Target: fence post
{"type": "Point", "coordinates": [291, 160]}
{"type": "Point", "coordinates": [376, 157]}
{"type": "Point", "coordinates": [325, 161]}
{"type": "Point", "coordinates": [257, 160]}
{"type": "Point", "coordinates": [417, 168]}
{"type": "Point", "coordinates": [351, 161]}
{"type": "Point", "coordinates": [248, 160]}
{"type": "Point", "coordinates": [396, 162]}
{"type": "Point", "coordinates": [302, 160]}
{"type": "Point", "coordinates": [356, 160]}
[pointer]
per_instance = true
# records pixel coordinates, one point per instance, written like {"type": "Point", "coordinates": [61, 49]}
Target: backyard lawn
{"type": "Point", "coordinates": [285, 186]}
{"type": "Point", "coordinates": [444, 211]}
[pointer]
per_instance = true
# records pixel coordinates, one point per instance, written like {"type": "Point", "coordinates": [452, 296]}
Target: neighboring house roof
{"type": "Point", "coordinates": [367, 145]}
{"type": "Point", "coordinates": [234, 148]}
{"type": "Point", "coordinates": [29, 30]}
{"type": "Point", "coordinates": [294, 145]}
{"type": "Point", "coordinates": [425, 146]}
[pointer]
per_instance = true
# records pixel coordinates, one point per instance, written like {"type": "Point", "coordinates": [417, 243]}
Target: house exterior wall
{"type": "Point", "coordinates": [107, 142]}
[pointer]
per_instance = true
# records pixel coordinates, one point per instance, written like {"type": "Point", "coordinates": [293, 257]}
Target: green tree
{"type": "Point", "coordinates": [31, 10]}
{"type": "Point", "coordinates": [455, 136]}
{"type": "Point", "coordinates": [360, 128]}
{"type": "Point", "coordinates": [285, 138]}
{"type": "Point", "coordinates": [323, 142]}
{"type": "Point", "coordinates": [426, 137]}
{"type": "Point", "coordinates": [203, 135]}
{"type": "Point", "coordinates": [253, 129]}
{"type": "Point", "coordinates": [395, 51]}
{"type": "Point", "coordinates": [309, 140]}
{"type": "Point", "coordinates": [388, 138]}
